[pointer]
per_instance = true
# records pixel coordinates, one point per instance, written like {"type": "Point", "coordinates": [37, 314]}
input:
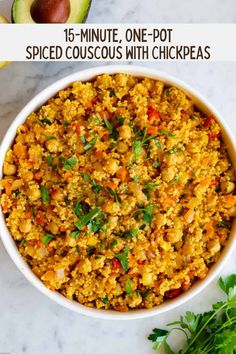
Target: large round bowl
{"type": "Point", "coordinates": [85, 75]}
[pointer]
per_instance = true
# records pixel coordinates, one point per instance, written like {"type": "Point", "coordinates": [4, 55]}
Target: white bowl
{"type": "Point", "coordinates": [202, 103]}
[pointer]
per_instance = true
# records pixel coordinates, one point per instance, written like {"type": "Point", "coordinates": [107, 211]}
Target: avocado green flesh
{"type": "Point", "coordinates": [78, 11]}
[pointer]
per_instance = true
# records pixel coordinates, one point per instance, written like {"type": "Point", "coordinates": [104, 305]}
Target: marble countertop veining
{"type": "Point", "coordinates": [31, 323]}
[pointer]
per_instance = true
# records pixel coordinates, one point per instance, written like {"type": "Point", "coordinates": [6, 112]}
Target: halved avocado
{"type": "Point", "coordinates": [21, 11]}
{"type": "Point", "coordinates": [3, 20]}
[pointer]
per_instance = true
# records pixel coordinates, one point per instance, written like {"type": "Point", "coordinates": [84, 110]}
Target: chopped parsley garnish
{"type": "Point", "coordinates": [83, 139]}
{"type": "Point", "coordinates": [129, 234]}
{"type": "Point", "coordinates": [112, 93]}
{"type": "Point", "coordinates": [68, 164]}
{"type": "Point", "coordinates": [75, 234]}
{"type": "Point", "coordinates": [150, 186]}
{"type": "Point", "coordinates": [91, 143]}
{"type": "Point", "coordinates": [48, 137]}
{"type": "Point", "coordinates": [113, 243]}
{"type": "Point", "coordinates": [165, 132]}
{"type": "Point", "coordinates": [142, 140]}
{"type": "Point", "coordinates": [128, 287]}
{"type": "Point", "coordinates": [95, 187]}
{"type": "Point", "coordinates": [66, 124]}
{"type": "Point", "coordinates": [224, 223]}
{"type": "Point", "coordinates": [112, 130]}
{"type": "Point", "coordinates": [90, 250]}
{"type": "Point", "coordinates": [174, 150]}
{"type": "Point", "coordinates": [113, 194]}
{"type": "Point", "coordinates": [21, 243]}
{"type": "Point", "coordinates": [97, 223]}
{"type": "Point", "coordinates": [146, 213]}
{"type": "Point", "coordinates": [120, 119]}
{"type": "Point", "coordinates": [45, 121]}
{"type": "Point", "coordinates": [44, 194]}
{"type": "Point", "coordinates": [16, 193]}
{"type": "Point", "coordinates": [136, 179]}
{"type": "Point", "coordinates": [105, 300]}
{"type": "Point", "coordinates": [80, 224]}
{"type": "Point", "coordinates": [181, 212]}
{"type": "Point", "coordinates": [123, 258]}
{"type": "Point", "coordinates": [49, 160]}
{"type": "Point", "coordinates": [47, 238]}
{"type": "Point", "coordinates": [156, 164]}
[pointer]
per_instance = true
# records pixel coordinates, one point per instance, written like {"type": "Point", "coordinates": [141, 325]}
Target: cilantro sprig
{"type": "Point", "coordinates": [212, 332]}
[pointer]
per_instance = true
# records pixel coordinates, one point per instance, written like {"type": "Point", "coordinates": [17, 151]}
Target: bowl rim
{"type": "Point", "coordinates": [40, 99]}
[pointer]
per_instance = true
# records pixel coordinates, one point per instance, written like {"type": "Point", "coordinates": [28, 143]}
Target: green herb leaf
{"type": "Point", "coordinates": [105, 300]}
{"type": "Point", "coordinates": [91, 144]}
{"type": "Point", "coordinates": [66, 124]}
{"type": "Point", "coordinates": [148, 214]}
{"type": "Point", "coordinates": [123, 258]}
{"type": "Point", "coordinates": [45, 121]}
{"type": "Point", "coordinates": [44, 194]}
{"type": "Point", "coordinates": [75, 234]}
{"type": "Point", "coordinates": [120, 119]}
{"type": "Point", "coordinates": [158, 337]}
{"type": "Point", "coordinates": [112, 93]}
{"type": "Point", "coordinates": [129, 233]}
{"type": "Point", "coordinates": [86, 219]}
{"type": "Point", "coordinates": [128, 287]}
{"type": "Point", "coordinates": [224, 223]}
{"type": "Point", "coordinates": [83, 139]}
{"type": "Point", "coordinates": [165, 132]}
{"type": "Point", "coordinates": [113, 243]}
{"type": "Point", "coordinates": [47, 238]}
{"type": "Point", "coordinates": [156, 164]}
{"type": "Point", "coordinates": [49, 160]}
{"type": "Point", "coordinates": [150, 186]}
{"type": "Point", "coordinates": [68, 164]}
{"type": "Point", "coordinates": [48, 137]}
{"type": "Point", "coordinates": [227, 283]}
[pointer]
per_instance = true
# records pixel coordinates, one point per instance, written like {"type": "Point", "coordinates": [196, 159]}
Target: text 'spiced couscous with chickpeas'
{"type": "Point", "coordinates": [119, 192]}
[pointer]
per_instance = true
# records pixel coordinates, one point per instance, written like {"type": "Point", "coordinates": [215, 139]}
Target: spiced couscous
{"type": "Point", "coordinates": [119, 192]}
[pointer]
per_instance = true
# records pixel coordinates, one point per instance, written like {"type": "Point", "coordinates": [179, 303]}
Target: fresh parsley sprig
{"type": "Point", "coordinates": [212, 332]}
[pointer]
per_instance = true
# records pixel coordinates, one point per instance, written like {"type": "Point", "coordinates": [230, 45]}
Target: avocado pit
{"type": "Point", "coordinates": [50, 11]}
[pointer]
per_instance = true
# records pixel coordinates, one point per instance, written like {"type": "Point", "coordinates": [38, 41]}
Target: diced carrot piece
{"type": "Point", "coordinates": [19, 150]}
{"type": "Point", "coordinates": [152, 130]}
{"type": "Point", "coordinates": [8, 188]}
{"type": "Point", "coordinates": [40, 219]}
{"type": "Point", "coordinates": [62, 228]}
{"type": "Point", "coordinates": [228, 201]}
{"type": "Point", "coordinates": [122, 174]}
{"type": "Point", "coordinates": [68, 175]}
{"type": "Point", "coordinates": [76, 127]}
{"type": "Point", "coordinates": [153, 114]}
{"type": "Point", "coordinates": [38, 176]}
{"type": "Point", "coordinates": [214, 182]}
{"type": "Point", "coordinates": [98, 153]}
{"type": "Point", "coordinates": [111, 185]}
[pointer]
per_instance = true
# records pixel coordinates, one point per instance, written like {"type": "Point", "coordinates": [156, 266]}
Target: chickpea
{"type": "Point", "coordinates": [168, 174]}
{"type": "Point", "coordinates": [112, 165]}
{"type": "Point", "coordinates": [135, 187]}
{"type": "Point", "coordinates": [227, 186]}
{"type": "Point", "coordinates": [122, 147]}
{"type": "Point", "coordinates": [27, 176]}
{"type": "Point", "coordinates": [53, 228]}
{"type": "Point", "coordinates": [34, 192]}
{"type": "Point", "coordinates": [9, 169]}
{"type": "Point", "coordinates": [25, 226]}
{"type": "Point", "coordinates": [214, 246]}
{"type": "Point", "coordinates": [125, 132]}
{"type": "Point", "coordinates": [58, 195]}
{"type": "Point", "coordinates": [52, 145]}
{"type": "Point", "coordinates": [18, 183]}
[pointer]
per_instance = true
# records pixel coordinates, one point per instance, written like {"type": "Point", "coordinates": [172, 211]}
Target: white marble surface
{"type": "Point", "coordinates": [29, 322]}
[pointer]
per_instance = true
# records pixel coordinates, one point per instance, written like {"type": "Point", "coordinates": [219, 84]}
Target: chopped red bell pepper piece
{"type": "Point", "coordinates": [171, 294]}
{"type": "Point", "coordinates": [207, 121]}
{"type": "Point", "coordinates": [153, 114]}
{"type": "Point", "coordinates": [116, 264]}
